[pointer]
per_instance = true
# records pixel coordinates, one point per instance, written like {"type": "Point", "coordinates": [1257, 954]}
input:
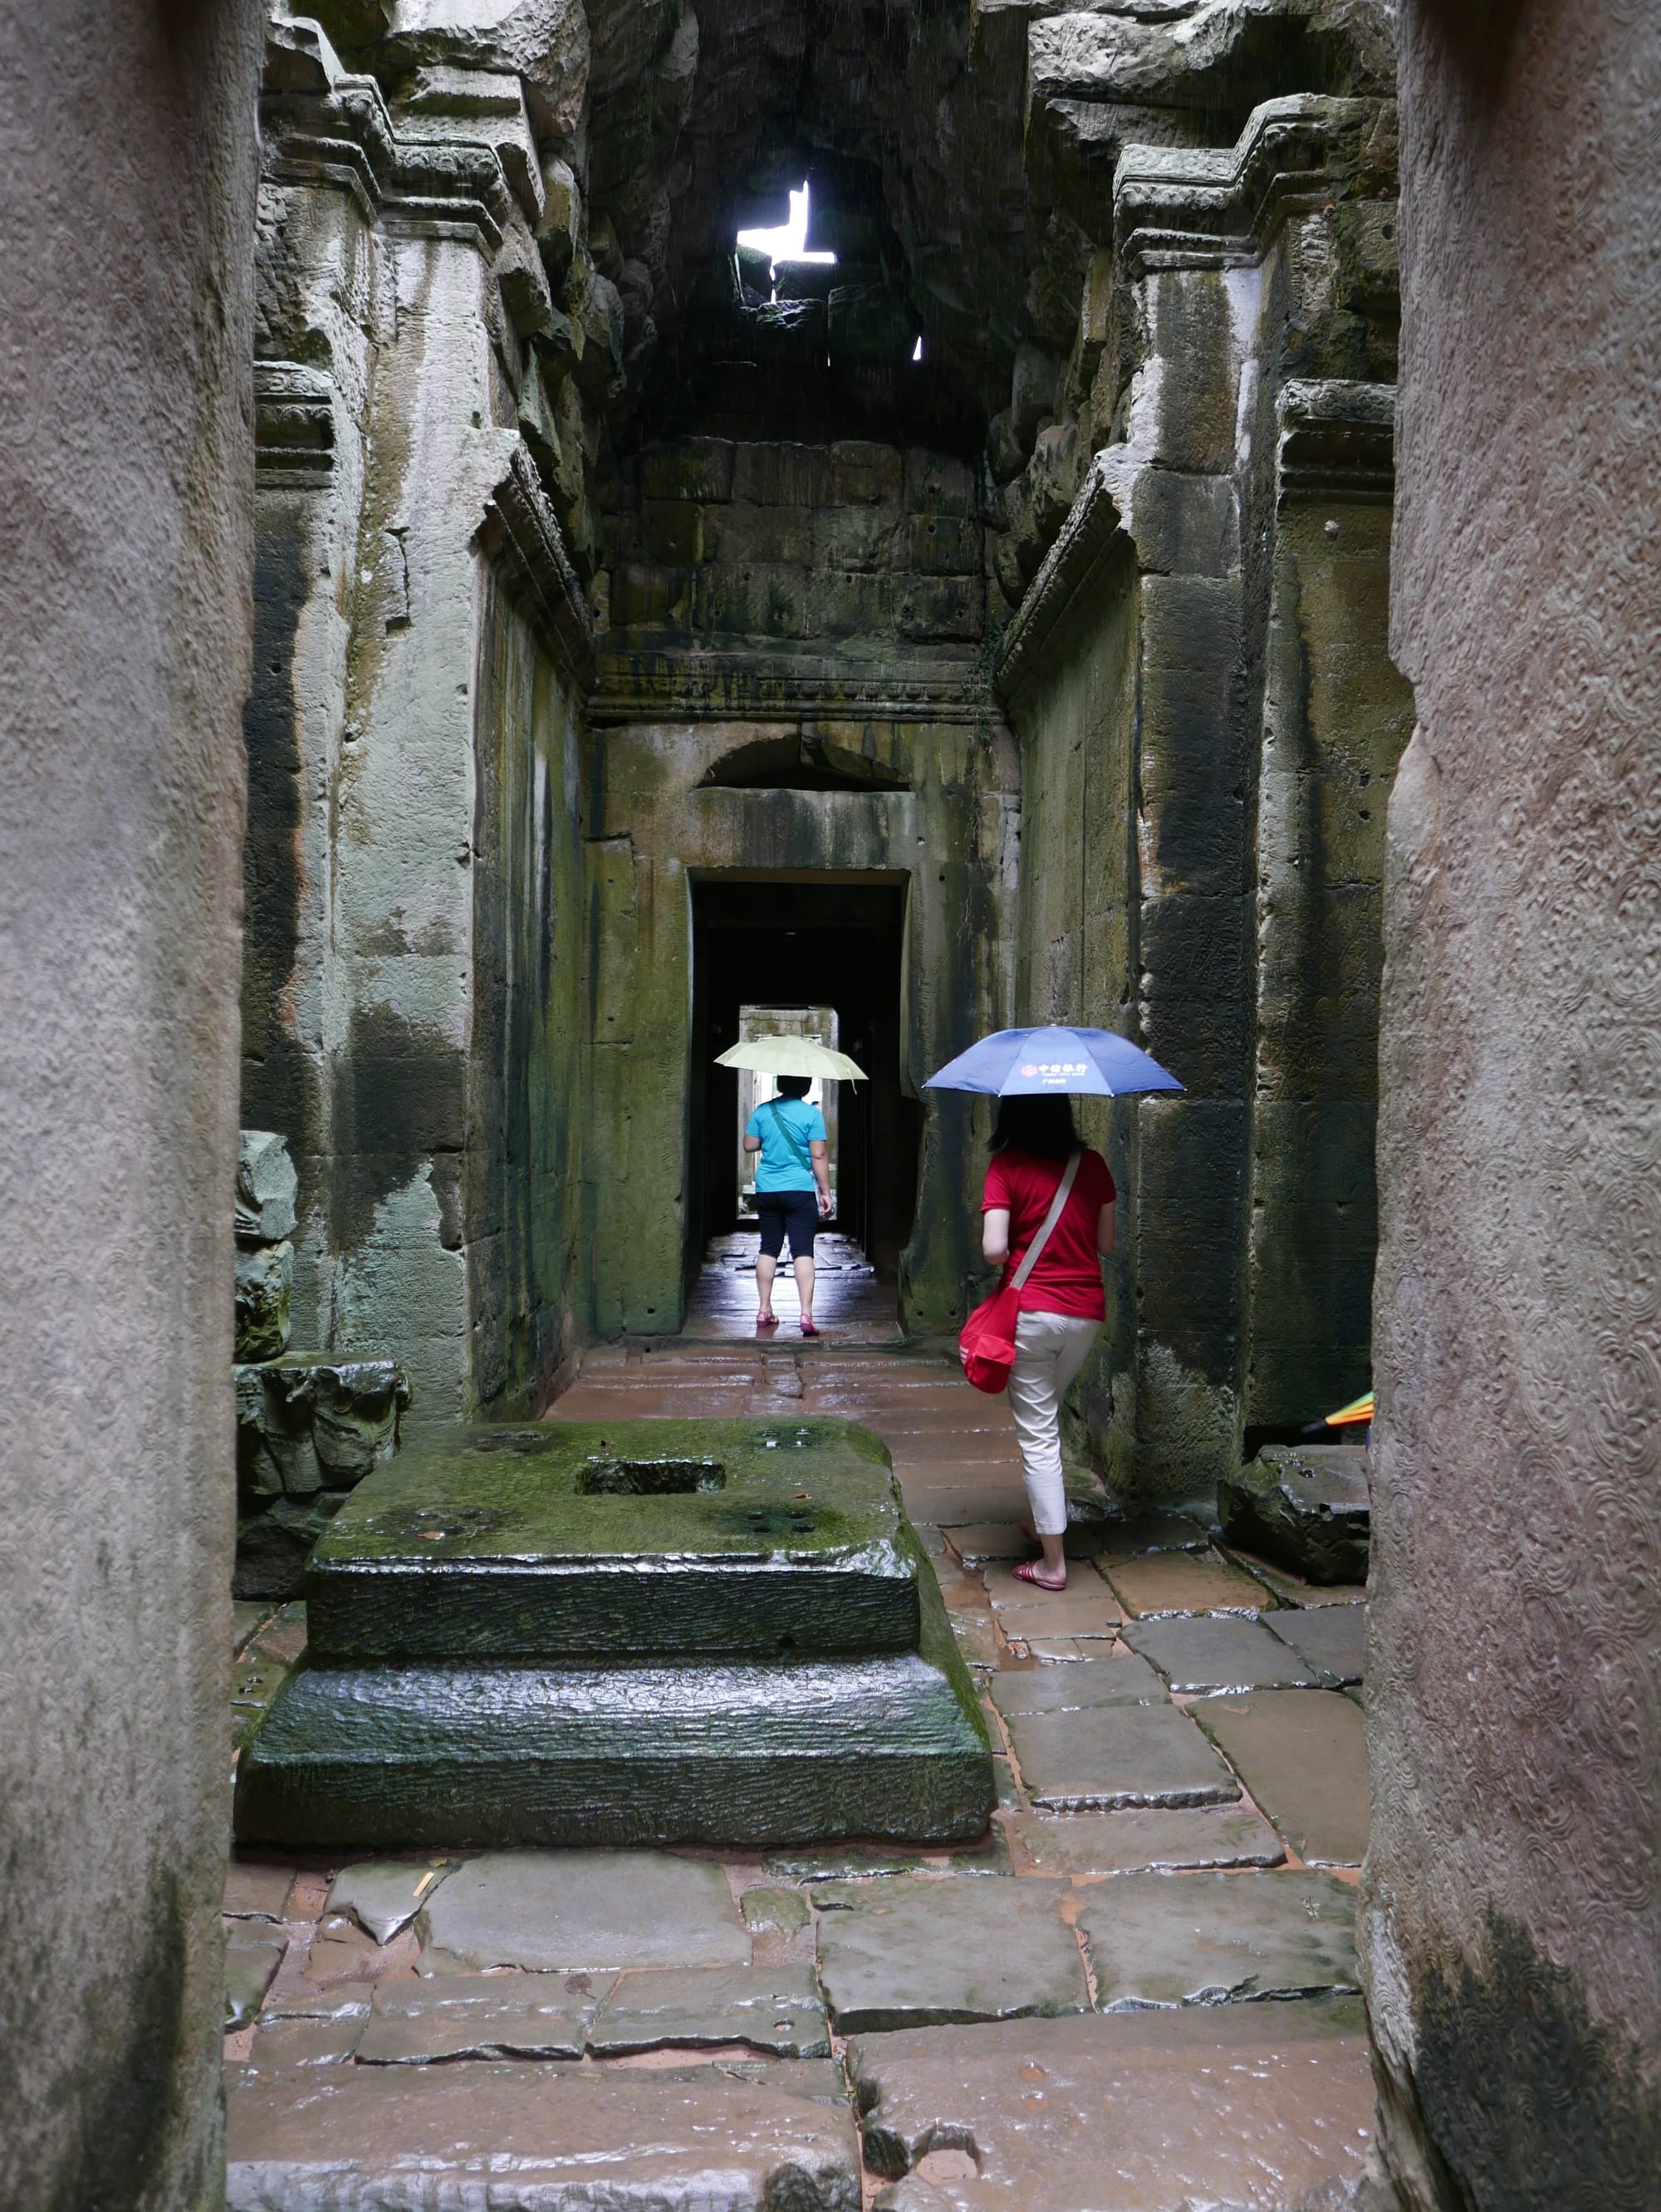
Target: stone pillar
{"type": "Point", "coordinates": [1511, 1922]}
{"type": "Point", "coordinates": [126, 479]}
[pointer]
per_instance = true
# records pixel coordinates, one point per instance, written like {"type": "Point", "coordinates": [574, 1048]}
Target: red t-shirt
{"type": "Point", "coordinates": [1068, 1277]}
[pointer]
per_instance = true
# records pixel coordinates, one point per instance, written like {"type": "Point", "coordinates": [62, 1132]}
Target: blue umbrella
{"type": "Point", "coordinates": [1013, 1062]}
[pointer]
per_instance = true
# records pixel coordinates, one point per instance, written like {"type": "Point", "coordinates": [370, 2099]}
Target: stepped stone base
{"type": "Point", "coordinates": [512, 1646]}
{"type": "Point", "coordinates": [1305, 1506]}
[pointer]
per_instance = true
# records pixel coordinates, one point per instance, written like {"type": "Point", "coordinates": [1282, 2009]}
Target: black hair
{"type": "Point", "coordinates": [795, 1087]}
{"type": "Point", "coordinates": [1036, 1121]}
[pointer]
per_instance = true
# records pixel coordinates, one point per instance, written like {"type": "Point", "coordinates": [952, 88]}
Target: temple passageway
{"type": "Point", "coordinates": [1053, 2016]}
{"type": "Point", "coordinates": [849, 1303]}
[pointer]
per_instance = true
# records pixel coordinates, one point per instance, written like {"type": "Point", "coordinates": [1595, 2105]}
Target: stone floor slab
{"type": "Point", "coordinates": [255, 1890]}
{"type": "Point", "coordinates": [775, 2009]}
{"type": "Point", "coordinates": [1305, 1505]}
{"type": "Point", "coordinates": [1302, 1754]}
{"type": "Point", "coordinates": [1139, 1839]}
{"type": "Point", "coordinates": [1177, 1939]}
{"type": "Point", "coordinates": [383, 1895]}
{"type": "Point", "coordinates": [581, 1911]}
{"type": "Point", "coordinates": [774, 1912]}
{"type": "Point", "coordinates": [987, 1853]}
{"type": "Point", "coordinates": [1143, 1532]}
{"type": "Point", "coordinates": [1204, 1654]}
{"type": "Point", "coordinates": [252, 1956]}
{"type": "Point", "coordinates": [1332, 1638]}
{"type": "Point", "coordinates": [1112, 1755]}
{"type": "Point", "coordinates": [912, 1952]}
{"type": "Point", "coordinates": [1237, 2108]}
{"type": "Point", "coordinates": [418, 2023]}
{"type": "Point", "coordinates": [1184, 1582]}
{"type": "Point", "coordinates": [1123, 1681]}
{"type": "Point", "coordinates": [281, 2046]}
{"type": "Point", "coordinates": [528, 2138]}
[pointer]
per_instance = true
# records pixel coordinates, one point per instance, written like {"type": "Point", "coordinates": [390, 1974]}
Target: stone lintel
{"type": "Point", "coordinates": [1337, 440]}
{"type": "Point", "coordinates": [1181, 207]}
{"type": "Point", "coordinates": [1093, 525]}
{"type": "Point", "coordinates": [662, 680]}
{"type": "Point", "coordinates": [521, 534]}
{"type": "Point", "coordinates": [294, 426]}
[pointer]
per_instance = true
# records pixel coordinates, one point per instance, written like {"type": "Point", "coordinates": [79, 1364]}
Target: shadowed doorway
{"type": "Point", "coordinates": [797, 943]}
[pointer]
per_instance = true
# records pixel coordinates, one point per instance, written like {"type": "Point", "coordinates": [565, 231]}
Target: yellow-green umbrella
{"type": "Point", "coordinates": [791, 1056]}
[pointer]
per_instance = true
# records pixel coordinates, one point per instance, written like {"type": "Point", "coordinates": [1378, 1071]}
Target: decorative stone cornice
{"type": "Point", "coordinates": [521, 534]}
{"type": "Point", "coordinates": [643, 677]}
{"type": "Point", "coordinates": [1181, 207]}
{"type": "Point", "coordinates": [1336, 439]}
{"type": "Point", "coordinates": [293, 425]}
{"type": "Point", "coordinates": [1094, 524]}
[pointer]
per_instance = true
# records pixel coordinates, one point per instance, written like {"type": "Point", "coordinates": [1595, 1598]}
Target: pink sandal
{"type": "Point", "coordinates": [809, 1328]}
{"type": "Point", "coordinates": [765, 1321]}
{"type": "Point", "coordinates": [1027, 1572]}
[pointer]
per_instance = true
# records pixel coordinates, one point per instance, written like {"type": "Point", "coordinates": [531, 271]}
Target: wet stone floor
{"type": "Point", "coordinates": [1137, 1995]}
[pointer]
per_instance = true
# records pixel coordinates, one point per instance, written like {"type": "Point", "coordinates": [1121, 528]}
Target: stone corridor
{"type": "Point", "coordinates": [1138, 1994]}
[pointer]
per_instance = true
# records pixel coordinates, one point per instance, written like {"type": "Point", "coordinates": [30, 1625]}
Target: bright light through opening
{"type": "Point", "coordinates": [916, 351]}
{"type": "Point", "coordinates": [789, 241]}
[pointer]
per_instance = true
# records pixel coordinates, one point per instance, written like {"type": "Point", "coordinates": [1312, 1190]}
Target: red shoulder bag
{"type": "Point", "coordinates": [986, 1345]}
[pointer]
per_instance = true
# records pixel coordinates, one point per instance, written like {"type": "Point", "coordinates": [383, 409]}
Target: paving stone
{"type": "Point", "coordinates": [913, 1952]}
{"type": "Point", "coordinates": [988, 1854]}
{"type": "Point", "coordinates": [1108, 1755]}
{"type": "Point", "coordinates": [279, 2046]}
{"type": "Point", "coordinates": [283, 1638]}
{"type": "Point", "coordinates": [1292, 1590]}
{"type": "Point", "coordinates": [341, 1951]}
{"type": "Point", "coordinates": [822, 2079]}
{"type": "Point", "coordinates": [255, 1681]}
{"type": "Point", "coordinates": [1084, 1607]}
{"type": "Point", "coordinates": [1332, 1639]}
{"type": "Point", "coordinates": [1238, 2108]}
{"type": "Point", "coordinates": [254, 1891]}
{"type": "Point", "coordinates": [1144, 1532]}
{"type": "Point", "coordinates": [983, 1540]}
{"type": "Point", "coordinates": [773, 1911]}
{"type": "Point", "coordinates": [414, 2022]}
{"type": "Point", "coordinates": [1170, 1938]}
{"type": "Point", "coordinates": [581, 1911]}
{"type": "Point", "coordinates": [1048, 1650]}
{"type": "Point", "coordinates": [1139, 1838]}
{"type": "Point", "coordinates": [1302, 1753]}
{"type": "Point", "coordinates": [1307, 1506]}
{"type": "Point", "coordinates": [1201, 1654]}
{"type": "Point", "coordinates": [1009, 1796]}
{"type": "Point", "coordinates": [300, 2001]}
{"type": "Point", "coordinates": [975, 1637]}
{"type": "Point", "coordinates": [250, 1964]}
{"type": "Point", "coordinates": [359, 2139]}
{"type": "Point", "coordinates": [247, 1614]}
{"type": "Point", "coordinates": [1123, 1681]}
{"type": "Point", "coordinates": [383, 1895]}
{"type": "Point", "coordinates": [1185, 1581]}
{"type": "Point", "coordinates": [771, 2008]}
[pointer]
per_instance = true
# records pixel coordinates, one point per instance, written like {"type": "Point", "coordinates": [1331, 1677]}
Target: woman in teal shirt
{"type": "Point", "coordinates": [792, 1190]}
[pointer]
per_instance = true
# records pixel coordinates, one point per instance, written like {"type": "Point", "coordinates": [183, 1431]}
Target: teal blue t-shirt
{"type": "Point", "coordinates": [778, 1166]}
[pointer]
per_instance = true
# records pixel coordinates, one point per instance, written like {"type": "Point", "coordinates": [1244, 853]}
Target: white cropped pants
{"type": "Point", "coordinates": [1050, 1349]}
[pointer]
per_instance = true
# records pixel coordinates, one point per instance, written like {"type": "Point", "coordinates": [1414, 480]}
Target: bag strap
{"type": "Point", "coordinates": [802, 1158]}
{"type": "Point", "coordinates": [1035, 1251]}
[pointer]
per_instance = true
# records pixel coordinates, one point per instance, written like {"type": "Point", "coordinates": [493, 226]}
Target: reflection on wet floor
{"type": "Point", "coordinates": [849, 1304]}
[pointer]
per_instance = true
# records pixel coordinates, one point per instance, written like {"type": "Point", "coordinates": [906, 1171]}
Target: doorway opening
{"type": "Point", "coordinates": [774, 951]}
{"type": "Point", "coordinates": [822, 1025]}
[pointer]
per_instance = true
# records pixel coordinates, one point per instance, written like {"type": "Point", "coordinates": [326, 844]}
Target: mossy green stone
{"type": "Point", "coordinates": [619, 1540]}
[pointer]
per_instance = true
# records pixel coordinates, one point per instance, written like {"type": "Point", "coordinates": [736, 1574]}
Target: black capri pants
{"type": "Point", "coordinates": [796, 1211]}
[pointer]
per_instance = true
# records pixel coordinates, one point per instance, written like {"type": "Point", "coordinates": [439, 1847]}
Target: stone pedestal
{"type": "Point", "coordinates": [638, 1631]}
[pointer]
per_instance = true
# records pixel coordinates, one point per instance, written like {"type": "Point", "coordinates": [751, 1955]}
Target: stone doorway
{"type": "Point", "coordinates": [834, 946]}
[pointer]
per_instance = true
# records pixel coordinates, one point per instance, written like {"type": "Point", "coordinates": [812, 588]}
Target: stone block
{"type": "Point", "coordinates": [1305, 1506]}
{"type": "Point", "coordinates": [750, 602]}
{"type": "Point", "coordinates": [858, 539]}
{"type": "Point", "coordinates": [1185, 1581]}
{"type": "Point", "coordinates": [1123, 1681]}
{"type": "Point", "coordinates": [421, 2023]}
{"type": "Point", "coordinates": [746, 536]}
{"type": "Point", "coordinates": [771, 2008]}
{"type": "Point", "coordinates": [674, 531]}
{"type": "Point", "coordinates": [864, 473]}
{"type": "Point", "coordinates": [264, 1283]}
{"type": "Point", "coordinates": [1202, 1655]}
{"type": "Point", "coordinates": [1302, 1753]}
{"type": "Point", "coordinates": [774, 1912]}
{"type": "Point", "coordinates": [647, 596]}
{"type": "Point", "coordinates": [1186, 525]}
{"type": "Point", "coordinates": [384, 1895]}
{"type": "Point", "coordinates": [1153, 1840]}
{"type": "Point", "coordinates": [941, 607]}
{"type": "Point", "coordinates": [1103, 1756]}
{"type": "Point", "coordinates": [266, 1187]}
{"type": "Point", "coordinates": [1133, 2113]}
{"type": "Point", "coordinates": [941, 545]}
{"type": "Point", "coordinates": [1331, 1638]}
{"type": "Point", "coordinates": [250, 1963]}
{"type": "Point", "coordinates": [694, 468]}
{"type": "Point", "coordinates": [778, 475]}
{"type": "Point", "coordinates": [255, 1891]}
{"type": "Point", "coordinates": [1158, 1939]}
{"type": "Point", "coordinates": [938, 483]}
{"type": "Point", "coordinates": [359, 2138]}
{"type": "Point", "coordinates": [581, 1911]}
{"type": "Point", "coordinates": [620, 1539]}
{"type": "Point", "coordinates": [846, 604]}
{"type": "Point", "coordinates": [984, 1854]}
{"type": "Point", "coordinates": [914, 1953]}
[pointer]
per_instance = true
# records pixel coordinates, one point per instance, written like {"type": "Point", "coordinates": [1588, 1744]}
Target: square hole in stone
{"type": "Point", "coordinates": [649, 1478]}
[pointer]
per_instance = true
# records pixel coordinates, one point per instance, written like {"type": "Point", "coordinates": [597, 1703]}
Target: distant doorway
{"type": "Point", "coordinates": [770, 951]}
{"type": "Point", "coordinates": [819, 1022]}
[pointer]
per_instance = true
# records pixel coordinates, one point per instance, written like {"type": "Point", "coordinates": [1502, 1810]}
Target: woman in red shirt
{"type": "Point", "coordinates": [1062, 1306]}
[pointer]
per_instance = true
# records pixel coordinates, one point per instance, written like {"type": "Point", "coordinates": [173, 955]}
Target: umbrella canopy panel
{"type": "Point", "coordinates": [1098, 1063]}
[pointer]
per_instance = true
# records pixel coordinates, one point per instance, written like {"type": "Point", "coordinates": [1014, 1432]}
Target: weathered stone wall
{"type": "Point", "coordinates": [410, 984]}
{"type": "Point", "coordinates": [125, 495]}
{"type": "Point", "coordinates": [1198, 676]}
{"type": "Point", "coordinates": [1510, 1915]}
